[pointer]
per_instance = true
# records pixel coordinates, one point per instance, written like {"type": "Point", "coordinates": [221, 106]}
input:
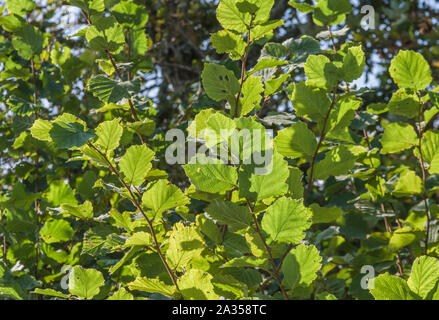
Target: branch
{"type": "Point", "coordinates": [243, 64]}
{"type": "Point", "coordinates": [321, 139]}
{"type": "Point", "coordinates": [257, 229]}
{"type": "Point", "coordinates": [37, 159]}
{"type": "Point", "coordinates": [383, 209]}
{"type": "Point", "coordinates": [135, 202]}
{"type": "Point", "coordinates": [424, 174]}
{"type": "Point", "coordinates": [116, 69]}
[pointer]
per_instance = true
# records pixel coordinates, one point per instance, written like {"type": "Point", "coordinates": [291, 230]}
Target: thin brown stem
{"type": "Point", "coordinates": [424, 174]}
{"type": "Point", "coordinates": [383, 209]}
{"type": "Point", "coordinates": [265, 283]}
{"type": "Point", "coordinates": [135, 202]}
{"type": "Point", "coordinates": [36, 164]}
{"type": "Point", "coordinates": [243, 65]}
{"type": "Point", "coordinates": [331, 36]}
{"type": "Point", "coordinates": [313, 161]}
{"type": "Point", "coordinates": [316, 152]}
{"type": "Point", "coordinates": [115, 67]}
{"type": "Point", "coordinates": [257, 229]}
{"type": "Point", "coordinates": [119, 75]}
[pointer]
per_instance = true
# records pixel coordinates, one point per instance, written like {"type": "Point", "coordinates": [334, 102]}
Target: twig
{"type": "Point", "coordinates": [257, 229]}
{"type": "Point", "coordinates": [37, 159]}
{"type": "Point", "coordinates": [331, 36]}
{"type": "Point", "coordinates": [116, 69]}
{"type": "Point", "coordinates": [243, 64]}
{"type": "Point", "coordinates": [139, 207]}
{"type": "Point", "coordinates": [383, 209]}
{"type": "Point", "coordinates": [424, 174]}
{"type": "Point", "coordinates": [316, 152]}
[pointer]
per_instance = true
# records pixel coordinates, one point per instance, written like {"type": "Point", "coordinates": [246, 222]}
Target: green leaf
{"type": "Point", "coordinates": [247, 261]}
{"type": "Point", "coordinates": [197, 285]}
{"type": "Point", "coordinates": [410, 70]}
{"type": "Point", "coordinates": [121, 294]}
{"type": "Point", "coordinates": [300, 266]}
{"type": "Point", "coordinates": [237, 15]}
{"type": "Point", "coordinates": [434, 167]}
{"type": "Point", "coordinates": [140, 44]}
{"type": "Point", "coordinates": [353, 64]}
{"type": "Point", "coordinates": [108, 90]}
{"type": "Point", "coordinates": [227, 41]}
{"type": "Point", "coordinates": [145, 127]}
{"type": "Point", "coordinates": [28, 41]}
{"type": "Point", "coordinates": [139, 239]}
{"type": "Point", "coordinates": [340, 118]}
{"type": "Point", "coordinates": [337, 161]}
{"type": "Point", "coordinates": [265, 29]}
{"type": "Point", "coordinates": [135, 164]}
{"type": "Point", "coordinates": [424, 275]}
{"type": "Point", "coordinates": [408, 184]}
{"type": "Point", "coordinates": [94, 156]}
{"type": "Point", "coordinates": [294, 181]}
{"type": "Point", "coordinates": [219, 82]}
{"type": "Point", "coordinates": [296, 141]}
{"type": "Point", "coordinates": [404, 103]}
{"type": "Point", "coordinates": [229, 213]}
{"type": "Point", "coordinates": [258, 183]}
{"type": "Point", "coordinates": [106, 66]}
{"type": "Point", "coordinates": [429, 146]}
{"type": "Point", "coordinates": [20, 7]}
{"type": "Point", "coordinates": [388, 287]}
{"type": "Point", "coordinates": [105, 34]}
{"type": "Point", "coordinates": [430, 113]}
{"type": "Point", "coordinates": [273, 50]}
{"type": "Point", "coordinates": [40, 130]}
{"type": "Point", "coordinates": [152, 286]}
{"type": "Point", "coordinates": [51, 292]}
{"type": "Point", "coordinates": [302, 48]}
{"type": "Point", "coordinates": [330, 12]}
{"type": "Point", "coordinates": [266, 63]}
{"type": "Point", "coordinates": [209, 228]}
{"type": "Point", "coordinates": [301, 6]}
{"type": "Point", "coordinates": [401, 238]}
{"type": "Point", "coordinates": [250, 95]}
{"type": "Point", "coordinates": [185, 244]}
{"type": "Point", "coordinates": [130, 14]}
{"type": "Point", "coordinates": [398, 137]}
{"type": "Point", "coordinates": [109, 134]}
{"type": "Point", "coordinates": [90, 6]}
{"type": "Point", "coordinates": [219, 128]}
{"type": "Point", "coordinates": [324, 214]}
{"type": "Point", "coordinates": [69, 135]}
{"type": "Point", "coordinates": [274, 85]}
{"type": "Point", "coordinates": [321, 72]}
{"type": "Point", "coordinates": [162, 196]}
{"type": "Point", "coordinates": [54, 231]}
{"type": "Point", "coordinates": [286, 220]}
{"type": "Point", "coordinates": [83, 211]}
{"type": "Point", "coordinates": [310, 103]}
{"type": "Point", "coordinates": [231, 18]}
{"type": "Point", "coordinates": [211, 177]}
{"type": "Point", "coordinates": [377, 108]}
{"type": "Point", "coordinates": [60, 193]}
{"type": "Point", "coordinates": [85, 283]}
{"type": "Point", "coordinates": [197, 126]}
{"type": "Point", "coordinates": [12, 23]}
